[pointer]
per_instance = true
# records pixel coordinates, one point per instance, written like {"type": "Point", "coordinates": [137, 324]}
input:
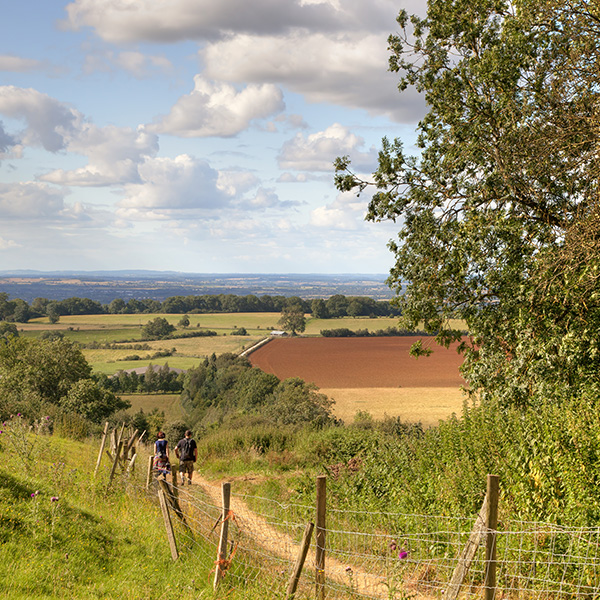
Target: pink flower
{"type": "Point", "coordinates": [54, 499]}
{"type": "Point", "coordinates": [403, 554]}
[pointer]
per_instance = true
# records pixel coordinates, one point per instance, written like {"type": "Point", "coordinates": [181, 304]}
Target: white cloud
{"type": "Point", "coordinates": [119, 21]}
{"type": "Point", "coordinates": [30, 201]}
{"type": "Point", "coordinates": [346, 69]}
{"type": "Point", "coordinates": [218, 109]}
{"type": "Point", "coordinates": [139, 65]}
{"type": "Point", "coordinates": [17, 64]}
{"type": "Point", "coordinates": [173, 184]}
{"type": "Point", "coordinates": [42, 205]}
{"type": "Point", "coordinates": [291, 178]}
{"type": "Point", "coordinates": [234, 183]}
{"type": "Point", "coordinates": [114, 153]}
{"type": "Point", "coordinates": [317, 151]}
{"type": "Point", "coordinates": [8, 142]}
{"type": "Point", "coordinates": [346, 212]}
{"type": "Point", "coordinates": [266, 198]}
{"type": "Point", "coordinates": [49, 122]}
{"type": "Point", "coordinates": [6, 244]}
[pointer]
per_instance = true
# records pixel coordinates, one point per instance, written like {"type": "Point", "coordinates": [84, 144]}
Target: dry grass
{"type": "Point", "coordinates": [419, 404]}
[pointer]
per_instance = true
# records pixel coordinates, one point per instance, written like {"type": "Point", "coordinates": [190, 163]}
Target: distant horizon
{"type": "Point", "coordinates": [104, 286]}
{"type": "Point", "coordinates": [7, 272]}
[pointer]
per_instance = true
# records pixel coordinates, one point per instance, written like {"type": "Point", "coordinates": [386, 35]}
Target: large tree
{"type": "Point", "coordinates": [292, 319]}
{"type": "Point", "coordinates": [508, 172]}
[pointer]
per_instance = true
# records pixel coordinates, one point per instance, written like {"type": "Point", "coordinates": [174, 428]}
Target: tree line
{"type": "Point", "coordinates": [338, 305]}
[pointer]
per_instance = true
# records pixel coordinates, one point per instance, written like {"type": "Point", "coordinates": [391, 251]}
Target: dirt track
{"type": "Point", "coordinates": [282, 545]}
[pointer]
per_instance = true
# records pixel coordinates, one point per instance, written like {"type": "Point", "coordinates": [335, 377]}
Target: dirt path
{"type": "Point", "coordinates": [282, 545]}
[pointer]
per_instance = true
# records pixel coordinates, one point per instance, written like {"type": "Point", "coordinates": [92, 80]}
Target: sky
{"type": "Point", "coordinates": [195, 135]}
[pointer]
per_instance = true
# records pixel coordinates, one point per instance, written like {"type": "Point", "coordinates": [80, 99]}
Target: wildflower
{"type": "Point", "coordinates": [403, 554]}
{"type": "Point", "coordinates": [54, 499]}
{"type": "Point", "coordinates": [349, 570]}
{"type": "Point", "coordinates": [34, 494]}
{"type": "Point", "coordinates": [393, 545]}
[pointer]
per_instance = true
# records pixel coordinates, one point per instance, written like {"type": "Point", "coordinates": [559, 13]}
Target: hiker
{"type": "Point", "coordinates": [161, 463]}
{"type": "Point", "coordinates": [187, 453]}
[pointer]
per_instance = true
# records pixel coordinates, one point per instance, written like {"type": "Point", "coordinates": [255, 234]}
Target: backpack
{"type": "Point", "coordinates": [185, 449]}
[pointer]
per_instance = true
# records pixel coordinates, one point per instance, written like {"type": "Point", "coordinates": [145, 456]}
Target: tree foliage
{"type": "Point", "coordinates": [227, 386]}
{"type": "Point", "coordinates": [38, 372]}
{"type": "Point", "coordinates": [157, 328]}
{"type": "Point", "coordinates": [507, 172]}
{"type": "Point", "coordinates": [292, 319]}
{"type": "Point", "coordinates": [89, 400]}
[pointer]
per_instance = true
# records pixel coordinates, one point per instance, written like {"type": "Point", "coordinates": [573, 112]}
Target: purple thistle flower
{"type": "Point", "coordinates": [393, 545]}
{"type": "Point", "coordinates": [403, 554]}
{"type": "Point", "coordinates": [54, 499]}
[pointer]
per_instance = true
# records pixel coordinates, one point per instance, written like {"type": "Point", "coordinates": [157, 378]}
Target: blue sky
{"type": "Point", "coordinates": [195, 135]}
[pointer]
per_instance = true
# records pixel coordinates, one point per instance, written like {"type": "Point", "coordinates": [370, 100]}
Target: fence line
{"type": "Point", "coordinates": [391, 555]}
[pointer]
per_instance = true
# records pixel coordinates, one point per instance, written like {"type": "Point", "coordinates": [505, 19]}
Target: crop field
{"type": "Point", "coordinates": [380, 362]}
{"type": "Point", "coordinates": [376, 375]}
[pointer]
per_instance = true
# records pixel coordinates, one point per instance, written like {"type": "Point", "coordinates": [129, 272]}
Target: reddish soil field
{"type": "Point", "coordinates": [378, 362]}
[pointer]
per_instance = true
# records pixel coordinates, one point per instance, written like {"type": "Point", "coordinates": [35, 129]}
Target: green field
{"type": "Point", "coordinates": [169, 403]}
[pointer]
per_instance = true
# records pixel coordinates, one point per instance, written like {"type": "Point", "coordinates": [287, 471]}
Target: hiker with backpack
{"type": "Point", "coordinates": [187, 453]}
{"type": "Point", "coordinates": [161, 463]}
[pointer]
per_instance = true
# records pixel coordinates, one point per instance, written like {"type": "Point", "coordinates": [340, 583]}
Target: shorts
{"type": "Point", "coordinates": [186, 466]}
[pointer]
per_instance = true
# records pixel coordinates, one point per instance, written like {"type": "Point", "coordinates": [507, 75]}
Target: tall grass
{"type": "Point", "coordinates": [64, 534]}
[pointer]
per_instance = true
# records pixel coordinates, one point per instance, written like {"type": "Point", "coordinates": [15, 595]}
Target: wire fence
{"type": "Point", "coordinates": [365, 554]}
{"type": "Point", "coordinates": [394, 556]}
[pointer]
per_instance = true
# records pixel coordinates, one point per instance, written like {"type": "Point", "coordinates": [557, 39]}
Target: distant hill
{"type": "Point", "coordinates": [105, 286]}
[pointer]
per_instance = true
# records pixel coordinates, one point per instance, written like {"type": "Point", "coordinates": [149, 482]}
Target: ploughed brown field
{"type": "Point", "coordinates": [376, 375]}
{"type": "Point", "coordinates": [377, 362]}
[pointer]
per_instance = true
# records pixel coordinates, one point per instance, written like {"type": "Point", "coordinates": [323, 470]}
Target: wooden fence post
{"type": "Point", "coordinates": [490, 539]}
{"type": "Point", "coordinates": [320, 536]}
{"type": "Point", "coordinates": [164, 507]}
{"type": "Point", "coordinates": [102, 444]}
{"type": "Point", "coordinates": [468, 554]}
{"type": "Point", "coordinates": [128, 445]}
{"type": "Point", "coordinates": [150, 468]}
{"type": "Point", "coordinates": [293, 583]}
{"type": "Point", "coordinates": [222, 553]}
{"type": "Point", "coordinates": [115, 462]}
